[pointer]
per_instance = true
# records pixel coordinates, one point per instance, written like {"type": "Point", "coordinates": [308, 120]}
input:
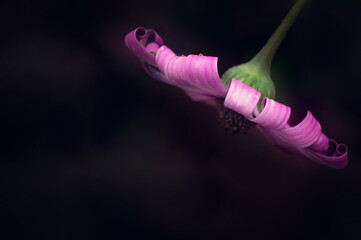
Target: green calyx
{"type": "Point", "coordinates": [256, 73]}
{"type": "Point", "coordinates": [252, 75]}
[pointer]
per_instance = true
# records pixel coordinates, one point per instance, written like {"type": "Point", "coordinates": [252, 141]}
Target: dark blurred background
{"type": "Point", "coordinates": [93, 148]}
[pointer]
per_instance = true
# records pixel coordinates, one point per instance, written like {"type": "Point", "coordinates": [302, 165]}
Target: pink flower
{"type": "Point", "coordinates": [198, 77]}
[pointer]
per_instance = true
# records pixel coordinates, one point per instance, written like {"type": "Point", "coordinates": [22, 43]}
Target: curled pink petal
{"type": "Point", "coordinates": [203, 73]}
{"type": "Point", "coordinates": [175, 70]}
{"type": "Point", "coordinates": [274, 115]}
{"type": "Point", "coordinates": [321, 143]}
{"type": "Point", "coordinates": [331, 148]}
{"type": "Point", "coordinates": [332, 157]}
{"type": "Point", "coordinates": [275, 137]}
{"type": "Point", "coordinates": [241, 98]}
{"type": "Point", "coordinates": [305, 133]}
{"type": "Point", "coordinates": [152, 47]}
{"type": "Point", "coordinates": [338, 161]}
{"type": "Point", "coordinates": [341, 149]}
{"type": "Point", "coordinates": [199, 97]}
{"type": "Point", "coordinates": [198, 73]}
{"type": "Point", "coordinates": [155, 73]}
{"type": "Point", "coordinates": [163, 57]}
{"type": "Point", "coordinates": [137, 41]}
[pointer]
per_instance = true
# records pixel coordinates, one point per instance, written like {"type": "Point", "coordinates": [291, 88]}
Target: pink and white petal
{"type": "Point", "coordinates": [321, 143]}
{"type": "Point", "coordinates": [203, 73]}
{"type": "Point", "coordinates": [152, 47]}
{"type": "Point", "coordinates": [241, 98]}
{"type": "Point", "coordinates": [304, 134]}
{"type": "Point", "coordinates": [199, 97]}
{"type": "Point", "coordinates": [198, 73]}
{"type": "Point", "coordinates": [162, 58]}
{"type": "Point", "coordinates": [154, 73]}
{"type": "Point", "coordinates": [275, 138]}
{"type": "Point", "coordinates": [175, 70]}
{"type": "Point", "coordinates": [274, 115]}
{"type": "Point", "coordinates": [137, 41]}
{"type": "Point", "coordinates": [338, 161]}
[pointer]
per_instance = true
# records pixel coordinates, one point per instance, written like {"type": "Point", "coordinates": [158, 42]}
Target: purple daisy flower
{"type": "Point", "coordinates": [244, 96]}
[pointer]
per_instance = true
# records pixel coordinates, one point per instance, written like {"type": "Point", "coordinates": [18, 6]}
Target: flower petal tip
{"type": "Point", "coordinates": [141, 42]}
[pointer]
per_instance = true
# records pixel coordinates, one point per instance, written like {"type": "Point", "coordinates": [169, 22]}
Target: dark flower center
{"type": "Point", "coordinates": [232, 120]}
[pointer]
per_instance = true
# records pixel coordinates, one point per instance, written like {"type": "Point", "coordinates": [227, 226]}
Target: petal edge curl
{"type": "Point", "coordinates": [194, 72]}
{"type": "Point", "coordinates": [273, 115]}
{"type": "Point", "coordinates": [339, 161]}
{"type": "Point", "coordinates": [303, 134]}
{"type": "Point", "coordinates": [241, 98]}
{"type": "Point", "coordinates": [139, 39]}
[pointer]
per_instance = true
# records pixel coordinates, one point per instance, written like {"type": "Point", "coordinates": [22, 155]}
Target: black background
{"type": "Point", "coordinates": [93, 148]}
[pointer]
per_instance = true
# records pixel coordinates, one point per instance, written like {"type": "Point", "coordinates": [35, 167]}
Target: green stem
{"type": "Point", "coordinates": [263, 59]}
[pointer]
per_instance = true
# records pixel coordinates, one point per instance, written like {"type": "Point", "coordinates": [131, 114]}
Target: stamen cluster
{"type": "Point", "coordinates": [232, 120]}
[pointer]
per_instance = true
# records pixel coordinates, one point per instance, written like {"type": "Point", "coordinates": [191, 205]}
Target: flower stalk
{"type": "Point", "coordinates": [256, 73]}
{"type": "Point", "coordinates": [262, 61]}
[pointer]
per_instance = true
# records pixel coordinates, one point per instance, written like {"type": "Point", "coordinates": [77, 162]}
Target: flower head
{"type": "Point", "coordinates": [244, 96]}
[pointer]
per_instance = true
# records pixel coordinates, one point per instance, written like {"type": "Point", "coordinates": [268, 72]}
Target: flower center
{"type": "Point", "coordinates": [231, 119]}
